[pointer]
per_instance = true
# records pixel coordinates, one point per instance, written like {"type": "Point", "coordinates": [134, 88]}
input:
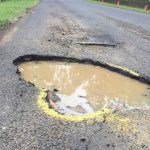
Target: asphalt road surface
{"type": "Point", "coordinates": [54, 27]}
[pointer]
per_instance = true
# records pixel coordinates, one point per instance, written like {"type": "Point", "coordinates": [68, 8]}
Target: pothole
{"type": "Point", "coordinates": [81, 89]}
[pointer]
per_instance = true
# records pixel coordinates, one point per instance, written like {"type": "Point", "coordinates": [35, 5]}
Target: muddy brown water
{"type": "Point", "coordinates": [97, 84]}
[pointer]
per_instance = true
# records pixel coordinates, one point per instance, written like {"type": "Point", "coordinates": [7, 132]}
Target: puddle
{"type": "Point", "coordinates": [84, 88]}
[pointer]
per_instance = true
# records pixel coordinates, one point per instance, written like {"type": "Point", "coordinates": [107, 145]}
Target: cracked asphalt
{"type": "Point", "coordinates": [54, 27]}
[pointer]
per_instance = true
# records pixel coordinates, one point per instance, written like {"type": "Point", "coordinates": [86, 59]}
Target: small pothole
{"type": "Point", "coordinates": [80, 89]}
{"type": "Point", "coordinates": [105, 41]}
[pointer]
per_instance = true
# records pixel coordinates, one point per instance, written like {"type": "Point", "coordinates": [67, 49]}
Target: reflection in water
{"type": "Point", "coordinates": [89, 82]}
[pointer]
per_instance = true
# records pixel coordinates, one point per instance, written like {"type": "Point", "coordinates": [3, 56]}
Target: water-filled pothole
{"type": "Point", "coordinates": [80, 89]}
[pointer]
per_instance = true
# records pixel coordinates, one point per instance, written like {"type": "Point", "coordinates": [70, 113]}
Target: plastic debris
{"type": "Point", "coordinates": [75, 104]}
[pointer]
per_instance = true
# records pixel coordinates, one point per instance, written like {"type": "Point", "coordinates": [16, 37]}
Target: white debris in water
{"type": "Point", "coordinates": [78, 98]}
{"type": "Point", "coordinates": [117, 105]}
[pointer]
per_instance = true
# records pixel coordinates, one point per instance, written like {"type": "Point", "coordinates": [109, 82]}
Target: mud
{"type": "Point", "coordinates": [94, 84]}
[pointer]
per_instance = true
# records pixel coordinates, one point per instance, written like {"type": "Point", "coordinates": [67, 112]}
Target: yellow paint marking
{"type": "Point", "coordinates": [118, 124]}
{"type": "Point", "coordinates": [121, 124]}
{"type": "Point", "coordinates": [99, 115]}
{"type": "Point", "coordinates": [125, 69]}
{"type": "Point", "coordinates": [127, 127]}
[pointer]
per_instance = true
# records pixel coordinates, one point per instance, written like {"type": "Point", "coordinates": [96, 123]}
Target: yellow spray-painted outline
{"type": "Point", "coordinates": [125, 69]}
{"type": "Point", "coordinates": [99, 115]}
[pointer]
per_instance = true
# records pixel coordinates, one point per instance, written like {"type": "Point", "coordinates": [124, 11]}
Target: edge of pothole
{"type": "Point", "coordinates": [118, 69]}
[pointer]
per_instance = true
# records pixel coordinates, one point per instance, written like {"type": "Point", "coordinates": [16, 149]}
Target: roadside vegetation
{"type": "Point", "coordinates": [120, 6]}
{"type": "Point", "coordinates": [10, 10]}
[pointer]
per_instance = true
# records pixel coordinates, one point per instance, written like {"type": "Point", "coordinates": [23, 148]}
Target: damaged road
{"type": "Point", "coordinates": [55, 27]}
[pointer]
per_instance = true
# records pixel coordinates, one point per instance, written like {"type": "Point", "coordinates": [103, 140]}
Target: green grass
{"type": "Point", "coordinates": [11, 9]}
{"type": "Point", "coordinates": [120, 6]}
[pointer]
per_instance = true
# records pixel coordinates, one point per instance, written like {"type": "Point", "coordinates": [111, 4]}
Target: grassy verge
{"type": "Point", "coordinates": [120, 6]}
{"type": "Point", "coordinates": [11, 9]}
